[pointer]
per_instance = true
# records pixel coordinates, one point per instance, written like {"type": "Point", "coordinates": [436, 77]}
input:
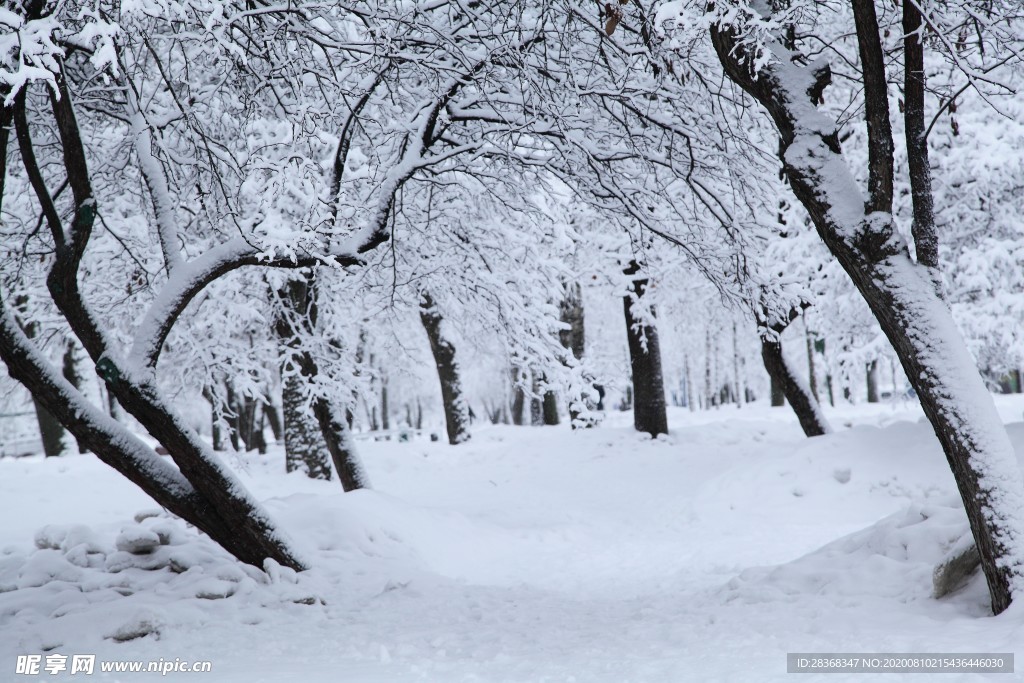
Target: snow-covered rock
{"type": "Point", "coordinates": [137, 540]}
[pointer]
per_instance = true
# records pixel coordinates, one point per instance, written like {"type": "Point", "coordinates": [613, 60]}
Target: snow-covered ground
{"type": "Point", "coordinates": [528, 554]}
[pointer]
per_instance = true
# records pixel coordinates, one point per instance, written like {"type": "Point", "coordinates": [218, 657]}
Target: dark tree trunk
{"type": "Point", "coordinates": [335, 430]}
{"type": "Point", "coordinates": [778, 394]}
{"type": "Point", "coordinates": [216, 430]}
{"type": "Point", "coordinates": [736, 362]}
{"type": "Point", "coordinates": [249, 419]}
{"type": "Point", "coordinates": [518, 398]}
{"type": "Point", "coordinates": [795, 390]}
{"type": "Point", "coordinates": [243, 420]}
{"type": "Point", "coordinates": [901, 294]}
{"type": "Point", "coordinates": [273, 415]}
{"type": "Point", "coordinates": [571, 313]}
{"type": "Point", "coordinates": [574, 339]}
{"type": "Point", "coordinates": [216, 433]}
{"type": "Point", "coordinates": [708, 380]}
{"type": "Point", "coordinates": [51, 433]}
{"type": "Point", "coordinates": [385, 410]}
{"type": "Point", "coordinates": [312, 431]}
{"type": "Point", "coordinates": [819, 350]}
{"type": "Point", "coordinates": [248, 536]}
{"type": "Point", "coordinates": [550, 408]}
{"type": "Point", "coordinates": [231, 417]}
{"type": "Point", "coordinates": [645, 358]}
{"type": "Point", "coordinates": [257, 433]}
{"type": "Point", "coordinates": [304, 446]}
{"type": "Point", "coordinates": [926, 239]}
{"type": "Point", "coordinates": [536, 402]}
{"type": "Point", "coordinates": [872, 375]}
{"type": "Point", "coordinates": [456, 410]}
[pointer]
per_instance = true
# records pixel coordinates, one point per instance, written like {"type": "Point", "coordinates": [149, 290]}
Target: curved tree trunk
{"type": "Point", "coordinates": [456, 410]}
{"type": "Point", "coordinates": [231, 520]}
{"type": "Point", "coordinates": [902, 294]}
{"type": "Point", "coordinates": [335, 430]}
{"type": "Point", "coordinates": [807, 410]}
{"type": "Point", "coordinates": [645, 358]}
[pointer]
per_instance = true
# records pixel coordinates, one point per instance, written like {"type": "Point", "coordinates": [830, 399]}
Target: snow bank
{"type": "Point", "coordinates": [895, 557]}
{"type": "Point", "coordinates": [79, 586]}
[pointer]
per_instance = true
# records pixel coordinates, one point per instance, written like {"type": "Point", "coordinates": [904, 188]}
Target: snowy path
{"type": "Point", "coordinates": [542, 555]}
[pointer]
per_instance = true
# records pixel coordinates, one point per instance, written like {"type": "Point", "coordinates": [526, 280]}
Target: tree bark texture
{"type": "Point", "coordinates": [777, 392]}
{"type": "Point", "coordinates": [645, 359]}
{"type": "Point", "coordinates": [304, 444]}
{"type": "Point", "coordinates": [456, 410]}
{"type": "Point", "coordinates": [806, 407]}
{"type": "Point", "coordinates": [318, 435]}
{"type": "Point", "coordinates": [926, 239]}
